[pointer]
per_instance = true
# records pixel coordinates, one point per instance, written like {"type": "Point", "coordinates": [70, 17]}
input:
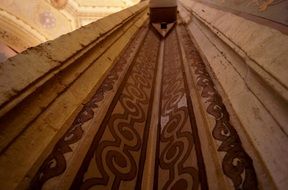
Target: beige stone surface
{"type": "Point", "coordinates": [252, 41]}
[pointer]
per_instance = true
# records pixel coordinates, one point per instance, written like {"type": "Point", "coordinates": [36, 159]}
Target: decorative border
{"type": "Point", "coordinates": [117, 152]}
{"type": "Point", "coordinates": [236, 164]}
{"type": "Point", "coordinates": [55, 164]}
{"type": "Point", "coordinates": [176, 144]}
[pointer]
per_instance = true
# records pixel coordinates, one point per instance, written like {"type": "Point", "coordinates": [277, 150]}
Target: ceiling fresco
{"type": "Point", "coordinates": [27, 23]}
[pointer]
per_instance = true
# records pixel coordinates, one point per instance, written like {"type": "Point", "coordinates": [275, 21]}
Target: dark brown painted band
{"type": "Point", "coordinates": [163, 14]}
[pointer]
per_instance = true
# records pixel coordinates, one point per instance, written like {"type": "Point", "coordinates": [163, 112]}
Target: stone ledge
{"type": "Point", "coordinates": [30, 134]}
{"type": "Point", "coordinates": [50, 60]}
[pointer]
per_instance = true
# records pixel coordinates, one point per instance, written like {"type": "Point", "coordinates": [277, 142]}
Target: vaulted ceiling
{"type": "Point", "coordinates": [26, 23]}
